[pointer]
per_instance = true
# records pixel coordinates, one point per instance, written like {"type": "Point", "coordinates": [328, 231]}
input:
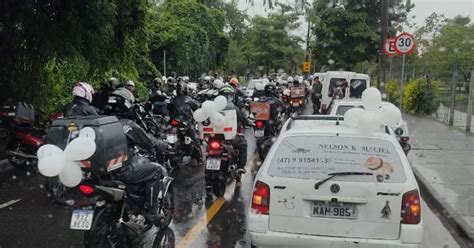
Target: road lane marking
{"type": "Point", "coordinates": [8, 203]}
{"type": "Point", "coordinates": [190, 236]}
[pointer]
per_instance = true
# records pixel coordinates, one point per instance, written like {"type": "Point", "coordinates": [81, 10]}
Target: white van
{"type": "Point", "coordinates": [356, 84]}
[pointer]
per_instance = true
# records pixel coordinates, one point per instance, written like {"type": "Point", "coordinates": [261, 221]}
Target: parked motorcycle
{"type": "Point", "coordinates": [221, 165]}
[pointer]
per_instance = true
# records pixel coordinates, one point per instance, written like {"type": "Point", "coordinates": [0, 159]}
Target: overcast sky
{"type": "Point", "coordinates": [423, 8]}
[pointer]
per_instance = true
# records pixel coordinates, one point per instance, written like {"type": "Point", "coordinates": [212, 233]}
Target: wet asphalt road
{"type": "Point", "coordinates": [34, 221]}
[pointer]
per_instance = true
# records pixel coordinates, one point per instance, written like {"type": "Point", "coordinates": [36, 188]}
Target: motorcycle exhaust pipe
{"type": "Point", "coordinates": [22, 155]}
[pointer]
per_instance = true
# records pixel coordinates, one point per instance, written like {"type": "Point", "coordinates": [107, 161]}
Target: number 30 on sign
{"type": "Point", "coordinates": [404, 43]}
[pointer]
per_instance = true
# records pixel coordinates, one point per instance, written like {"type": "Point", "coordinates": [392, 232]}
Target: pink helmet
{"type": "Point", "coordinates": [83, 90]}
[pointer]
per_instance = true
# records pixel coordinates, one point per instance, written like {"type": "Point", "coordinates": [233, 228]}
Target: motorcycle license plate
{"type": "Point", "coordinates": [213, 164]}
{"type": "Point", "coordinates": [172, 138]}
{"type": "Point", "coordinates": [296, 104]}
{"type": "Point", "coordinates": [81, 219]}
{"type": "Point", "coordinates": [259, 133]}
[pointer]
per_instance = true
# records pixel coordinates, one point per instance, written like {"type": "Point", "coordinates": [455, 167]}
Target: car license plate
{"type": "Point", "coordinates": [213, 164]}
{"type": "Point", "coordinates": [331, 210]}
{"type": "Point", "coordinates": [259, 133]}
{"type": "Point", "coordinates": [81, 219]}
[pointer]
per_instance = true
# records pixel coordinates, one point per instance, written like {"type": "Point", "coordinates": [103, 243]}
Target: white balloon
{"type": "Point", "coordinates": [87, 132]}
{"type": "Point", "coordinates": [199, 115]}
{"type": "Point", "coordinates": [71, 175]}
{"type": "Point", "coordinates": [371, 99]}
{"type": "Point", "coordinates": [52, 165]}
{"type": "Point", "coordinates": [48, 150]}
{"type": "Point", "coordinates": [80, 148]}
{"type": "Point", "coordinates": [389, 114]}
{"type": "Point", "coordinates": [369, 122]}
{"type": "Point", "coordinates": [217, 120]}
{"type": "Point", "coordinates": [352, 116]}
{"type": "Point", "coordinates": [209, 107]}
{"type": "Point", "coordinates": [220, 102]}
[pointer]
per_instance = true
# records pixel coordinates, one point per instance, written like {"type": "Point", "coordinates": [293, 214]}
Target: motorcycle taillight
{"type": "Point", "coordinates": [214, 145]}
{"type": "Point", "coordinates": [86, 189]}
{"type": "Point", "coordinates": [259, 124]}
{"type": "Point", "coordinates": [174, 123]}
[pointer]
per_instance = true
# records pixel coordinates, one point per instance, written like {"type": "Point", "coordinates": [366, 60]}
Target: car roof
{"type": "Point", "coordinates": [353, 102]}
{"type": "Point", "coordinates": [327, 125]}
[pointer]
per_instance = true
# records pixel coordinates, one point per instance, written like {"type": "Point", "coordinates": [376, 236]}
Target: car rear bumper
{"type": "Point", "coordinates": [278, 239]}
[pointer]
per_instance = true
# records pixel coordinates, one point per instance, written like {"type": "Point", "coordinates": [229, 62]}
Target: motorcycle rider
{"type": "Point", "coordinates": [182, 108]}
{"type": "Point", "coordinates": [316, 95]}
{"type": "Point", "coordinates": [100, 98]}
{"type": "Point", "coordinates": [80, 105]}
{"type": "Point", "coordinates": [239, 142]}
{"type": "Point", "coordinates": [130, 85]}
{"type": "Point", "coordinates": [159, 96]}
{"type": "Point", "coordinates": [276, 106]}
{"type": "Point", "coordinates": [140, 171]}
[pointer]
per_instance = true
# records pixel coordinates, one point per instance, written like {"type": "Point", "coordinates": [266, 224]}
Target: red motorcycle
{"type": "Point", "coordinates": [23, 139]}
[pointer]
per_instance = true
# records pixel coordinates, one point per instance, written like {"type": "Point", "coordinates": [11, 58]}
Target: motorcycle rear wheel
{"type": "Point", "coordinates": [57, 191]}
{"type": "Point", "coordinates": [218, 186]}
{"type": "Point", "coordinates": [15, 161]}
{"type": "Point", "coordinates": [103, 232]}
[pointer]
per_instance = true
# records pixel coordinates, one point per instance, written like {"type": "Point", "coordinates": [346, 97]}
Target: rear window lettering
{"type": "Point", "coordinates": [314, 157]}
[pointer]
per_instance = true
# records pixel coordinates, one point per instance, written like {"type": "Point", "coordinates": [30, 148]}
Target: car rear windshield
{"type": "Point", "coordinates": [314, 157]}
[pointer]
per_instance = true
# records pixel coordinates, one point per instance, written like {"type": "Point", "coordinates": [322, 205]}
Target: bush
{"type": "Point", "coordinates": [420, 97]}
{"type": "Point", "coordinates": [392, 89]}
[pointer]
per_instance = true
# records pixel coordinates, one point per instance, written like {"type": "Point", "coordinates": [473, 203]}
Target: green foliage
{"type": "Point", "coordinates": [392, 89]}
{"type": "Point", "coordinates": [271, 46]}
{"type": "Point", "coordinates": [346, 36]}
{"type": "Point", "coordinates": [192, 36]}
{"type": "Point", "coordinates": [421, 97]}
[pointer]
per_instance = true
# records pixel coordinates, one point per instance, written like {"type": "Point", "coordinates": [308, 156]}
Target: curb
{"type": "Point", "coordinates": [453, 218]}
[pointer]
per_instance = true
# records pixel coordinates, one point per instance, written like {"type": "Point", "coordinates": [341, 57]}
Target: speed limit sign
{"type": "Point", "coordinates": [404, 43]}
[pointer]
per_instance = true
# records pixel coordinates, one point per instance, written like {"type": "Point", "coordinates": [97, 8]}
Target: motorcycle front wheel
{"type": "Point", "coordinates": [166, 209]}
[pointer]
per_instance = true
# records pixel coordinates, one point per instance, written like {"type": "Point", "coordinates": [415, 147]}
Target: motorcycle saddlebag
{"type": "Point", "coordinates": [111, 151]}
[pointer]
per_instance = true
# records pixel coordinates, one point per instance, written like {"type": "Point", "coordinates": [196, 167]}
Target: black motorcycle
{"type": "Point", "coordinates": [221, 165]}
{"type": "Point", "coordinates": [179, 139]}
{"type": "Point", "coordinates": [110, 208]}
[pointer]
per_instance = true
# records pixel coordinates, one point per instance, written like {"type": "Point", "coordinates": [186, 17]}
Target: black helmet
{"type": "Point", "coordinates": [120, 101]}
{"type": "Point", "coordinates": [270, 90]}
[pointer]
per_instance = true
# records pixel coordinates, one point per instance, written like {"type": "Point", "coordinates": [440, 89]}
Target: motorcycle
{"type": "Point", "coordinates": [110, 208]}
{"type": "Point", "coordinates": [179, 139]}
{"type": "Point", "coordinates": [23, 139]}
{"type": "Point", "coordinates": [221, 165]}
{"type": "Point", "coordinates": [297, 100]}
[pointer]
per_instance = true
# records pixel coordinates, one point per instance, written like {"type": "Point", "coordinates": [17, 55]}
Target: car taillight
{"type": "Point", "coordinates": [411, 208]}
{"type": "Point", "coordinates": [259, 124]}
{"type": "Point", "coordinates": [86, 189]}
{"type": "Point", "coordinates": [214, 145]}
{"type": "Point", "coordinates": [174, 123]}
{"type": "Point", "coordinates": [405, 139]}
{"type": "Point", "coordinates": [261, 198]}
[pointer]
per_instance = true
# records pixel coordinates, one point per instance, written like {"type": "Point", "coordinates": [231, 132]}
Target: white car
{"type": "Point", "coordinates": [339, 107]}
{"type": "Point", "coordinates": [324, 184]}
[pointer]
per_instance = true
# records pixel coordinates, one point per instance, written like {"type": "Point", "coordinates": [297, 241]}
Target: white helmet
{"type": "Point", "coordinates": [130, 83]}
{"type": "Point", "coordinates": [259, 86]}
{"type": "Point", "coordinates": [83, 90]}
{"type": "Point", "coordinates": [217, 84]}
{"type": "Point", "coordinates": [290, 79]}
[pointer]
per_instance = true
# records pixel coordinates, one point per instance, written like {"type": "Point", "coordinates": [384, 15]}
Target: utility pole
{"type": "Point", "coordinates": [164, 62]}
{"type": "Point", "coordinates": [308, 33]}
{"type": "Point", "coordinates": [383, 35]}
{"type": "Point", "coordinates": [470, 103]}
{"type": "Point", "coordinates": [453, 96]}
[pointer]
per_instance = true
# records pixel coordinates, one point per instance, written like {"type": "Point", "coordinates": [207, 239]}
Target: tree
{"type": "Point", "coordinates": [346, 36]}
{"type": "Point", "coordinates": [271, 46]}
{"type": "Point", "coordinates": [192, 36]}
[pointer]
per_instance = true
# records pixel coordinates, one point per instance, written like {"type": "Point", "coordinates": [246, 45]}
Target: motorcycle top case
{"type": "Point", "coordinates": [22, 111]}
{"type": "Point", "coordinates": [111, 151]}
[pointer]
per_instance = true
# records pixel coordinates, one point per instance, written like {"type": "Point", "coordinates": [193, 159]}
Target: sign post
{"type": "Point", "coordinates": [306, 67]}
{"type": "Point", "coordinates": [404, 44]}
